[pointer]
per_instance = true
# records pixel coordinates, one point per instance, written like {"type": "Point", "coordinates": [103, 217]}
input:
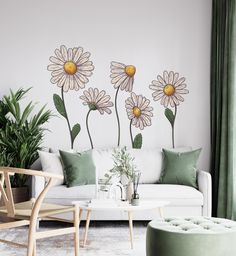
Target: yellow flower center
{"type": "Point", "coordinates": [130, 70]}
{"type": "Point", "coordinates": [169, 90]}
{"type": "Point", "coordinates": [70, 67]}
{"type": "Point", "coordinates": [137, 112]}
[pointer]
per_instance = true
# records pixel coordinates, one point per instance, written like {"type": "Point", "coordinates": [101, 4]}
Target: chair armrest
{"type": "Point", "coordinates": [38, 178]}
{"type": "Point", "coordinates": [30, 172]}
{"type": "Point", "coordinates": [37, 186]}
{"type": "Point", "coordinates": [205, 187]}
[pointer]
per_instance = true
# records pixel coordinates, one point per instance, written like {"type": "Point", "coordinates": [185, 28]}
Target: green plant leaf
{"type": "Point", "coordinates": [75, 131]}
{"type": "Point", "coordinates": [21, 133]}
{"type": "Point", "coordinates": [59, 105]}
{"type": "Point", "coordinates": [138, 141]}
{"type": "Point", "coordinates": [170, 116]}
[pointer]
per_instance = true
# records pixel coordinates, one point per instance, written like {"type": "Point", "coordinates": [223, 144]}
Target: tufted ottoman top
{"type": "Point", "coordinates": [194, 225]}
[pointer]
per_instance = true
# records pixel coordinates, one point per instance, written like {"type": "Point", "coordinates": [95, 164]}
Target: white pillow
{"type": "Point", "coordinates": [51, 163]}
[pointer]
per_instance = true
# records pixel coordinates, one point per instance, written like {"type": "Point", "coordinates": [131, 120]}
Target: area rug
{"type": "Point", "coordinates": [104, 238]}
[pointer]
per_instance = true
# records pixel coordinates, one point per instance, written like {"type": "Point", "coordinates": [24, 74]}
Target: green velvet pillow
{"type": "Point", "coordinates": [79, 169]}
{"type": "Point", "coordinates": [180, 167]}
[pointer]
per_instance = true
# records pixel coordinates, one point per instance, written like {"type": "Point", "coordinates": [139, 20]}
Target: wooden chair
{"type": "Point", "coordinates": [28, 213]}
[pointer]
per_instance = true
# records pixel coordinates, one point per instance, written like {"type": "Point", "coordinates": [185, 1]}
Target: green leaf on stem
{"type": "Point", "coordinates": [59, 105]}
{"type": "Point", "coordinates": [75, 131]}
{"type": "Point", "coordinates": [170, 116]}
{"type": "Point", "coordinates": [138, 141]}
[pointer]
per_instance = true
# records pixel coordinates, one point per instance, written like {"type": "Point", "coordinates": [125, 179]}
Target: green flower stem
{"type": "Point", "coordinates": [117, 116]}
{"type": "Point", "coordinates": [131, 135]}
{"type": "Point", "coordinates": [91, 142]}
{"type": "Point", "coordinates": [67, 119]}
{"type": "Point", "coordinates": [173, 128]}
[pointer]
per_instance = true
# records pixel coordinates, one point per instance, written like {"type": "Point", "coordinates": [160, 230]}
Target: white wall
{"type": "Point", "coordinates": [154, 35]}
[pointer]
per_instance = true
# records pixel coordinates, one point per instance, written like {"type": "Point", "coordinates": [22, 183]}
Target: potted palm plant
{"type": "Point", "coordinates": [21, 136]}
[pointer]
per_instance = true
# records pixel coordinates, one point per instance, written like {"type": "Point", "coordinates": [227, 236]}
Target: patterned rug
{"type": "Point", "coordinates": [104, 238]}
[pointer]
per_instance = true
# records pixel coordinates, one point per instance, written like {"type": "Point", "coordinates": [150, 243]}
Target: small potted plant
{"type": "Point", "coordinates": [123, 169]}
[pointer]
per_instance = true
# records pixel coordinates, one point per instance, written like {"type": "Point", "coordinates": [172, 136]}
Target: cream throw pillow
{"type": "Point", "coordinates": [51, 163]}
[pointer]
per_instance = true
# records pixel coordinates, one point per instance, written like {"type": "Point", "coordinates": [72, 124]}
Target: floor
{"type": "Point", "coordinates": [104, 238]}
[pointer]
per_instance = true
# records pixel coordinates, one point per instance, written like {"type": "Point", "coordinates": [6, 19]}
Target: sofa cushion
{"type": "Point", "coordinates": [79, 169]}
{"type": "Point", "coordinates": [180, 167]}
{"type": "Point", "coordinates": [147, 161]}
{"type": "Point", "coordinates": [103, 161]}
{"type": "Point", "coordinates": [74, 193]}
{"type": "Point", "coordinates": [175, 194]}
{"type": "Point", "coordinates": [51, 163]}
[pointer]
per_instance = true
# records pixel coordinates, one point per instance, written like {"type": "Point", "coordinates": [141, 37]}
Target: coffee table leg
{"type": "Point", "coordinates": [161, 212]}
{"type": "Point", "coordinates": [130, 215]}
{"type": "Point", "coordinates": [87, 227]}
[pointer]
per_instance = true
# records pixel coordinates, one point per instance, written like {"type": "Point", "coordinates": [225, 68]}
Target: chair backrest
{"type": "Point", "coordinates": [6, 193]}
{"type": "Point", "coordinates": [6, 189]}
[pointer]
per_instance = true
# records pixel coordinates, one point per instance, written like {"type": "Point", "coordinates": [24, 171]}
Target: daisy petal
{"type": "Point", "coordinates": [171, 77]}
{"type": "Point", "coordinates": [62, 81]}
{"type": "Point", "coordinates": [77, 54]}
{"type": "Point", "coordinates": [70, 54]}
{"type": "Point", "coordinates": [166, 77]}
{"type": "Point", "coordinates": [53, 67]}
{"type": "Point", "coordinates": [56, 60]}
{"type": "Point", "coordinates": [117, 64]}
{"type": "Point", "coordinates": [57, 72]}
{"type": "Point", "coordinates": [181, 86]}
{"type": "Point", "coordinates": [59, 55]}
{"type": "Point", "coordinates": [180, 81]}
{"type": "Point", "coordinates": [64, 52]}
{"type": "Point", "coordinates": [66, 84]}
{"type": "Point", "coordinates": [85, 73]}
{"type": "Point", "coordinates": [176, 77]}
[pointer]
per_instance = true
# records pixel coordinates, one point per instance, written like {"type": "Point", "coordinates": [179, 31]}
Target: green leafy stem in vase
{"type": "Point", "coordinates": [123, 165]}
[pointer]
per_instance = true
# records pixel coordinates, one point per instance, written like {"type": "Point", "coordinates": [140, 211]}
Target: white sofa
{"type": "Point", "coordinates": [184, 200]}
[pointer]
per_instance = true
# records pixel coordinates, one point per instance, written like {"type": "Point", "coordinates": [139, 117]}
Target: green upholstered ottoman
{"type": "Point", "coordinates": [195, 236]}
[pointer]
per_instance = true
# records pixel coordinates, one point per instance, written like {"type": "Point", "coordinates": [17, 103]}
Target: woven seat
{"type": "Point", "coordinates": [24, 209]}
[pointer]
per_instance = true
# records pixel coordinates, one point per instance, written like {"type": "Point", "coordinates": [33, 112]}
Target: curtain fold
{"type": "Point", "coordinates": [223, 114]}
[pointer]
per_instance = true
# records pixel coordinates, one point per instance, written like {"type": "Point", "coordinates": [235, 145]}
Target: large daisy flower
{"type": "Point", "coordinates": [70, 68]}
{"type": "Point", "coordinates": [97, 100]}
{"type": "Point", "coordinates": [139, 111]}
{"type": "Point", "coordinates": [122, 76]}
{"type": "Point", "coordinates": [168, 88]}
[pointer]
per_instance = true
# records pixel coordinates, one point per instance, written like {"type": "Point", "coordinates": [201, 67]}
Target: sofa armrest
{"type": "Point", "coordinates": [205, 187]}
{"type": "Point", "coordinates": [37, 186]}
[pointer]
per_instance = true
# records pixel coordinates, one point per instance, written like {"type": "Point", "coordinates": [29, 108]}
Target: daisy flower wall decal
{"type": "Point", "coordinates": [169, 89]}
{"type": "Point", "coordinates": [139, 113]}
{"type": "Point", "coordinates": [122, 77]}
{"type": "Point", "coordinates": [96, 100]}
{"type": "Point", "coordinates": [70, 69]}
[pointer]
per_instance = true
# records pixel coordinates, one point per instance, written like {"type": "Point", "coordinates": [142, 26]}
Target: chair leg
{"type": "Point", "coordinates": [31, 250]}
{"type": "Point", "coordinates": [34, 251]}
{"type": "Point", "coordinates": [76, 225]}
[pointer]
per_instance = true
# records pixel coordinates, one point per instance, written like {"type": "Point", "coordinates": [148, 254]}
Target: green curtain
{"type": "Point", "coordinates": [223, 103]}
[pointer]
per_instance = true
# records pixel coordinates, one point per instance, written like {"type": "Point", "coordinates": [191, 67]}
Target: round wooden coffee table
{"type": "Point", "coordinates": [119, 206]}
